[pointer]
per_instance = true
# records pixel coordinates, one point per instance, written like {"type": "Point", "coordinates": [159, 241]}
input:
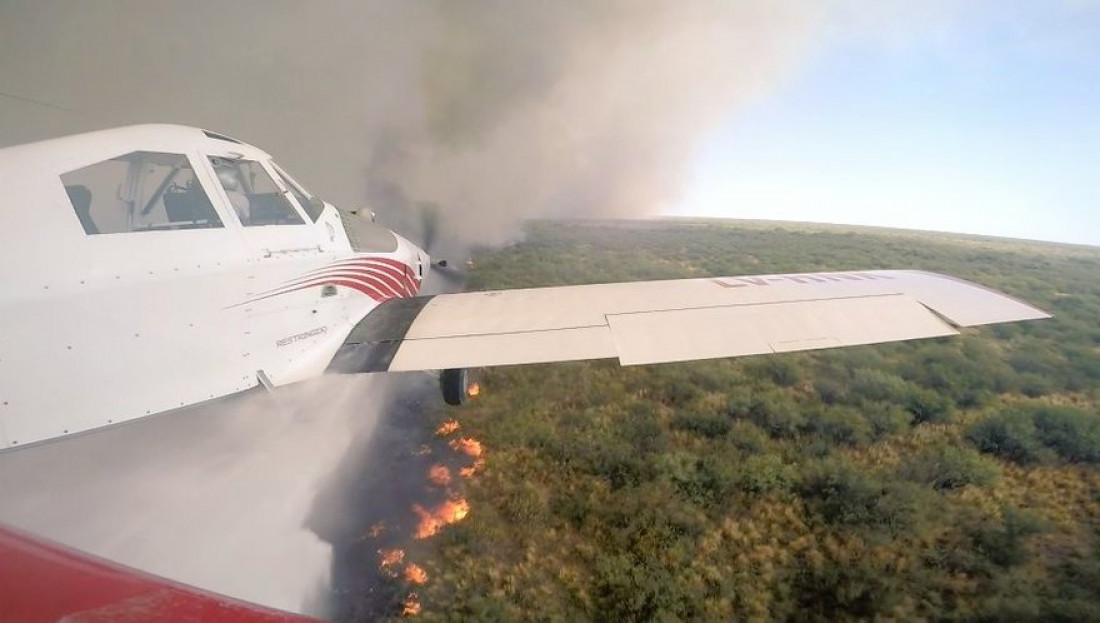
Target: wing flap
{"type": "Point", "coordinates": [504, 349]}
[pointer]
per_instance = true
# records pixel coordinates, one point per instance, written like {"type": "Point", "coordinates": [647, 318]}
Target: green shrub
{"type": "Point", "coordinates": [643, 430]}
{"type": "Point", "coordinates": [844, 591]}
{"type": "Point", "coordinates": [843, 425]}
{"type": "Point", "coordinates": [830, 390]}
{"type": "Point", "coordinates": [626, 589]}
{"type": "Point", "coordinates": [773, 411]}
{"type": "Point", "coordinates": [945, 467]}
{"type": "Point", "coordinates": [928, 405]}
{"type": "Point", "coordinates": [1034, 385]}
{"type": "Point", "coordinates": [1009, 434]}
{"type": "Point", "coordinates": [676, 391]}
{"type": "Point", "coordinates": [739, 403]}
{"type": "Point", "coordinates": [710, 425]}
{"type": "Point", "coordinates": [782, 370]}
{"type": "Point", "coordinates": [844, 495]}
{"type": "Point", "coordinates": [1073, 434]}
{"type": "Point", "coordinates": [945, 368]}
{"type": "Point", "coordinates": [1004, 543]}
{"type": "Point", "coordinates": [748, 437]}
{"type": "Point", "coordinates": [876, 385]}
{"type": "Point", "coordinates": [777, 414]}
{"type": "Point", "coordinates": [703, 480]}
{"type": "Point", "coordinates": [887, 419]}
{"type": "Point", "coordinates": [522, 503]}
{"type": "Point", "coordinates": [1031, 434]}
{"type": "Point", "coordinates": [765, 473]}
{"type": "Point", "coordinates": [617, 461]}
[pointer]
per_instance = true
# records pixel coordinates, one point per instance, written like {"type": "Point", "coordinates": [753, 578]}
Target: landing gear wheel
{"type": "Point", "coordinates": [455, 383]}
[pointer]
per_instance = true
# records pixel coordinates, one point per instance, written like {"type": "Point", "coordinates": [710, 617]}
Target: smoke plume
{"type": "Point", "coordinates": [493, 110]}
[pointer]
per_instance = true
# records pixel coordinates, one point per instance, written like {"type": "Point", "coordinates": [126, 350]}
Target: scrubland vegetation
{"type": "Point", "coordinates": [950, 479]}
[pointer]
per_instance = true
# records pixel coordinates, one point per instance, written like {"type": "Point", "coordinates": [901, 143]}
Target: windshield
{"type": "Point", "coordinates": [310, 205]}
{"type": "Point", "coordinates": [254, 195]}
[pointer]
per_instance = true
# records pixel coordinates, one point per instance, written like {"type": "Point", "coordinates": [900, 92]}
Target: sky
{"type": "Point", "coordinates": [985, 121]}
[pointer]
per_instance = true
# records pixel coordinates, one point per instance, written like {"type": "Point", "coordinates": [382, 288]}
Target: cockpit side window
{"type": "Point", "coordinates": [255, 197]}
{"type": "Point", "coordinates": [140, 191]}
{"type": "Point", "coordinates": [311, 205]}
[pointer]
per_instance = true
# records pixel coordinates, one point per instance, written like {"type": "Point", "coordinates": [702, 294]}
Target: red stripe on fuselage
{"type": "Point", "coordinates": [398, 286]}
{"type": "Point", "coordinates": [401, 267]}
{"type": "Point", "coordinates": [380, 278]}
{"type": "Point", "coordinates": [393, 268]}
{"type": "Point", "coordinates": [371, 290]}
{"type": "Point", "coordinates": [358, 286]}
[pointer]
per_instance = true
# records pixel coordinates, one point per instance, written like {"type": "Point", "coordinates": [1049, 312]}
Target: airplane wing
{"type": "Point", "coordinates": [42, 581]}
{"type": "Point", "coordinates": [663, 321]}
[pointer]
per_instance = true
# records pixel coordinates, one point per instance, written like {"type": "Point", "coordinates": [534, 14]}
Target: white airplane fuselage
{"type": "Point", "coordinates": [102, 328]}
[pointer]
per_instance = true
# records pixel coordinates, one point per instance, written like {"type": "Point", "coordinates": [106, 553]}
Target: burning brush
{"type": "Point", "coordinates": [432, 521]}
{"type": "Point", "coordinates": [471, 448]}
{"type": "Point", "coordinates": [439, 475]}
{"type": "Point", "coordinates": [447, 427]}
{"type": "Point", "coordinates": [415, 574]}
{"type": "Point", "coordinates": [466, 445]}
{"type": "Point", "coordinates": [442, 471]}
{"type": "Point", "coordinates": [389, 560]}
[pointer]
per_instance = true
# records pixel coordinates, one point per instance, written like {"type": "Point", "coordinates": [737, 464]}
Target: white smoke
{"type": "Point", "coordinates": [215, 496]}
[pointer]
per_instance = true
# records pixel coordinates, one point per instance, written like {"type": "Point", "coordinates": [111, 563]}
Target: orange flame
{"type": "Point", "coordinates": [439, 475]}
{"type": "Point", "coordinates": [412, 605]}
{"type": "Point", "coordinates": [466, 445]}
{"type": "Point", "coordinates": [415, 574]}
{"type": "Point", "coordinates": [473, 390]}
{"type": "Point", "coordinates": [454, 510]}
{"type": "Point", "coordinates": [390, 558]}
{"type": "Point", "coordinates": [431, 522]}
{"type": "Point", "coordinates": [447, 427]}
{"type": "Point", "coordinates": [466, 472]}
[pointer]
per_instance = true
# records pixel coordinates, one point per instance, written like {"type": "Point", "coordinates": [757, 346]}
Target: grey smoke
{"type": "Point", "coordinates": [216, 496]}
{"type": "Point", "coordinates": [495, 110]}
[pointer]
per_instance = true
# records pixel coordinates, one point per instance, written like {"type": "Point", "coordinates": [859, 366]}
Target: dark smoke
{"type": "Point", "coordinates": [495, 110]}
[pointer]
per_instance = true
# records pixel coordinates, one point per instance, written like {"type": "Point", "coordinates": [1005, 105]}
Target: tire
{"type": "Point", "coordinates": [454, 382]}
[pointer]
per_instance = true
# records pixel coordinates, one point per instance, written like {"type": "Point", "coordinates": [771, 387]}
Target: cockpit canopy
{"type": "Point", "coordinates": [152, 191]}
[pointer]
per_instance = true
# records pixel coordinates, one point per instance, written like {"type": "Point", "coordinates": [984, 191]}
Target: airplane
{"type": "Point", "coordinates": [147, 268]}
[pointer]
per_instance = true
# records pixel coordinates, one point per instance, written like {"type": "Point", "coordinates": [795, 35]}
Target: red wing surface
{"type": "Point", "coordinates": [43, 581]}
